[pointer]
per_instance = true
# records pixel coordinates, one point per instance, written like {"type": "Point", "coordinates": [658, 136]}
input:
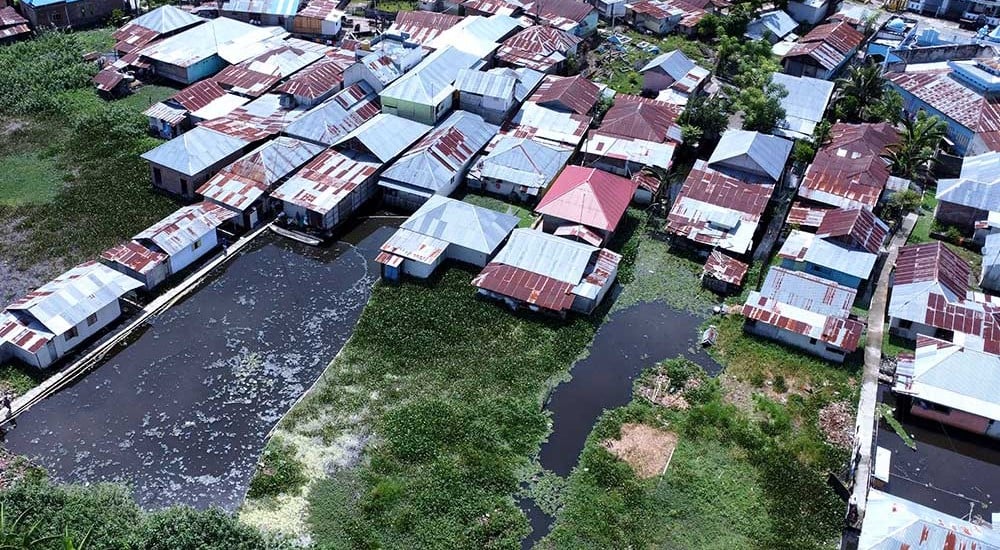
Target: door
{"type": "Point", "coordinates": [184, 187]}
{"type": "Point", "coordinates": [253, 217]}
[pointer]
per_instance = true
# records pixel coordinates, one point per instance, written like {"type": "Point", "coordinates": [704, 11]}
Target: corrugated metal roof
{"type": "Point", "coordinates": [476, 35]}
{"type": "Point", "coordinates": [569, 93]}
{"type": "Point", "coordinates": [493, 85]}
{"type": "Point", "coordinates": [932, 262]}
{"type": "Point", "coordinates": [134, 256]}
{"type": "Point", "coordinates": [268, 7]}
{"type": "Point", "coordinates": [258, 120]}
{"type": "Point", "coordinates": [538, 47]}
{"type": "Point", "coordinates": [990, 278]}
{"type": "Point", "coordinates": [70, 298]}
{"type": "Point", "coordinates": [162, 20]}
{"type": "Point", "coordinates": [431, 80]}
{"type": "Point", "coordinates": [422, 26]}
{"type": "Point", "coordinates": [981, 194]}
{"type": "Point", "coordinates": [321, 9]}
{"type": "Point", "coordinates": [327, 180]}
{"type": "Point", "coordinates": [857, 227]}
{"type": "Point", "coordinates": [316, 80]}
{"type": "Point", "coordinates": [536, 121]}
{"type": "Point", "coordinates": [256, 76]}
{"type": "Point", "coordinates": [432, 164]}
{"type": "Point", "coordinates": [415, 246]}
{"type": "Point", "coordinates": [558, 12]}
{"type": "Point", "coordinates": [866, 139]}
{"type": "Point", "coordinates": [107, 79]}
{"type": "Point", "coordinates": [718, 210]}
{"type": "Point", "coordinates": [499, 7]}
{"type": "Point", "coordinates": [385, 136]}
{"type": "Point", "coordinates": [9, 17]}
{"type": "Point", "coordinates": [777, 22]}
{"type": "Point", "coordinates": [198, 95]}
{"type": "Point", "coordinates": [829, 44]}
{"type": "Point", "coordinates": [241, 183]}
{"type": "Point", "coordinates": [955, 101]}
{"type": "Point", "coordinates": [194, 151]}
{"type": "Point", "coordinates": [950, 375]}
{"type": "Point", "coordinates": [523, 162]}
{"type": "Point", "coordinates": [14, 30]}
{"type": "Point", "coordinates": [893, 523]}
{"type": "Point", "coordinates": [548, 255]}
{"type": "Point", "coordinates": [166, 113]}
{"type": "Point", "coordinates": [132, 37]}
{"type": "Point", "coordinates": [234, 40]}
{"type": "Point", "coordinates": [634, 117]}
{"type": "Point", "coordinates": [185, 226]}
{"type": "Point", "coordinates": [806, 247]}
{"type": "Point", "coordinates": [804, 105]}
{"type": "Point", "coordinates": [674, 64]}
{"type": "Point", "coordinates": [336, 117]}
{"type": "Point", "coordinates": [220, 107]}
{"type": "Point", "coordinates": [588, 196]}
{"type": "Point", "coordinates": [382, 67]}
{"type": "Point", "coordinates": [761, 154]}
{"type": "Point", "coordinates": [461, 223]}
{"type": "Point", "coordinates": [638, 152]}
{"type": "Point", "coordinates": [526, 80]}
{"type": "Point", "coordinates": [521, 284]}
{"type": "Point", "coordinates": [838, 178]}
{"type": "Point", "coordinates": [725, 268]}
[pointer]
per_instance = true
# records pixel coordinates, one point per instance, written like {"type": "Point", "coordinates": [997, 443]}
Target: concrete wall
{"type": "Point", "coordinates": [504, 189]}
{"type": "Point", "coordinates": [949, 52]}
{"type": "Point", "coordinates": [81, 13]}
{"type": "Point", "coordinates": [420, 270]}
{"type": "Point", "coordinates": [809, 345]}
{"type": "Point", "coordinates": [493, 110]}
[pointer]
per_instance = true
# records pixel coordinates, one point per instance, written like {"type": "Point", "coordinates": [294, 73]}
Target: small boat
{"type": "Point", "coordinates": [709, 336]}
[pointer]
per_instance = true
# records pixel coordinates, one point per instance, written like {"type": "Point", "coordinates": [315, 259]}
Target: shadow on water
{"type": "Point", "coordinates": [630, 341]}
{"type": "Point", "coordinates": [182, 413]}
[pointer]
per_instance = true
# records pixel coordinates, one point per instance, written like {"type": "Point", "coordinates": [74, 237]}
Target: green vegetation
{"type": "Point", "coordinates": [893, 345]}
{"type": "Point", "coordinates": [620, 70]}
{"type": "Point", "coordinates": [279, 471]}
{"type": "Point", "coordinates": [394, 6]}
{"type": "Point", "coordinates": [922, 230]}
{"type": "Point", "coordinates": [145, 97]}
{"type": "Point", "coordinates": [733, 481]}
{"type": "Point", "coordinates": [911, 158]}
{"type": "Point", "coordinates": [885, 412]}
{"type": "Point", "coordinates": [493, 203]}
{"type": "Point", "coordinates": [863, 96]}
{"type": "Point", "coordinates": [18, 378]}
{"type": "Point", "coordinates": [105, 516]}
{"type": "Point", "coordinates": [28, 178]}
{"type": "Point", "coordinates": [90, 188]}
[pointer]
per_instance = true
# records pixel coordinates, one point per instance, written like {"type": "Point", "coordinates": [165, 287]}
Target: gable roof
{"type": "Point", "coordinates": [327, 180]}
{"type": "Point", "coordinates": [431, 80]}
{"type": "Point", "coordinates": [244, 181]}
{"type": "Point", "coordinates": [849, 171]}
{"type": "Point", "coordinates": [718, 210]}
{"type": "Point", "coordinates": [385, 136]}
{"type": "Point", "coordinates": [493, 85]}
{"type": "Point", "coordinates": [804, 105]}
{"type": "Point", "coordinates": [422, 26]}
{"type": "Point", "coordinates": [948, 374]}
{"type": "Point", "coordinates": [461, 223]}
{"type": "Point", "coordinates": [316, 80]}
{"type": "Point", "coordinates": [959, 103]}
{"type": "Point", "coordinates": [932, 263]}
{"type": "Point", "coordinates": [892, 523]}
{"type": "Point", "coordinates": [673, 63]}
{"type": "Point", "coordinates": [232, 40]}
{"type": "Point", "coordinates": [198, 95]}
{"type": "Point", "coordinates": [431, 164]}
{"type": "Point", "coordinates": [134, 256]}
{"type": "Point", "coordinates": [523, 162]}
{"type": "Point", "coordinates": [777, 22]}
{"type": "Point", "coordinates": [974, 190]}
{"type": "Point", "coordinates": [800, 246]}
{"type": "Point", "coordinates": [162, 20]}
{"type": "Point", "coordinates": [285, 8]}
{"type": "Point", "coordinates": [184, 227]}
{"type": "Point", "coordinates": [195, 150]}
{"type": "Point", "coordinates": [562, 14]}
{"type": "Point", "coordinates": [63, 303]}
{"type": "Point", "coordinates": [865, 139]}
{"type": "Point", "coordinates": [548, 255]}
{"type": "Point", "coordinates": [858, 227]}
{"type": "Point", "coordinates": [588, 196]}
{"type": "Point", "coordinates": [539, 47]}
{"type": "Point", "coordinates": [538, 122]}
{"type": "Point", "coordinates": [336, 117]}
{"type": "Point", "coordinates": [568, 93]}
{"type": "Point", "coordinates": [637, 117]}
{"type": "Point", "coordinates": [829, 44]}
{"type": "Point", "coordinates": [751, 152]}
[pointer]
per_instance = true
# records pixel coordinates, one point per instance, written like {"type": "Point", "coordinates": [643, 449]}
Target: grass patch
{"type": "Point", "coordinates": [18, 378]}
{"type": "Point", "coordinates": [885, 413]}
{"type": "Point", "coordinates": [452, 385]}
{"type": "Point", "coordinates": [279, 471]}
{"type": "Point", "coordinates": [522, 212]}
{"type": "Point", "coordinates": [732, 482]}
{"type": "Point", "coordinates": [394, 6]}
{"type": "Point", "coordinates": [621, 71]}
{"type": "Point", "coordinates": [145, 97]}
{"type": "Point", "coordinates": [893, 345]}
{"type": "Point", "coordinates": [29, 178]}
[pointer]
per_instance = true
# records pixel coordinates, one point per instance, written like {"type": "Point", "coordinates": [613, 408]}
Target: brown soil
{"type": "Point", "coordinates": [657, 391]}
{"type": "Point", "coordinates": [644, 448]}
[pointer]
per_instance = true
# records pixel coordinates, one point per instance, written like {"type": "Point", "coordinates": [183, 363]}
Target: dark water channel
{"type": "Point", "coordinates": [630, 341]}
{"type": "Point", "coordinates": [181, 413]}
{"type": "Point", "coordinates": [952, 471]}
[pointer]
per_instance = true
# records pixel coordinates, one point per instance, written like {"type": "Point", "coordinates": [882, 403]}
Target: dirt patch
{"type": "Point", "coordinates": [837, 424]}
{"type": "Point", "coordinates": [658, 391]}
{"type": "Point", "coordinates": [15, 281]}
{"type": "Point", "coordinates": [741, 393]}
{"type": "Point", "coordinates": [644, 448]}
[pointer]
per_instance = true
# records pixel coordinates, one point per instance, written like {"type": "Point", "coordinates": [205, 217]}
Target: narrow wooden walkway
{"type": "Point", "coordinates": [866, 421]}
{"type": "Point", "coordinates": [80, 367]}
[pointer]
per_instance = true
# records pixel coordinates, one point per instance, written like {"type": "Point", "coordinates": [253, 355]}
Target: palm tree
{"type": "Point", "coordinates": [918, 146]}
{"type": "Point", "coordinates": [859, 91]}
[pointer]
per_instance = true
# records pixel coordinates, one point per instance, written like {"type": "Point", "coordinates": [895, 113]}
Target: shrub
{"type": "Point", "coordinates": [279, 471]}
{"type": "Point", "coordinates": [183, 528]}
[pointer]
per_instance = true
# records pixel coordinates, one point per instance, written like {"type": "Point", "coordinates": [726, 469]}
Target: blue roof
{"type": "Point", "coordinates": [270, 7]}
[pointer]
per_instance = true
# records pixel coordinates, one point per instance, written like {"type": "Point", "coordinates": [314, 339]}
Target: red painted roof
{"type": "Point", "coordinates": [572, 93]}
{"type": "Point", "coordinates": [857, 227]}
{"type": "Point", "coordinates": [635, 117]}
{"type": "Point", "coordinates": [588, 196]}
{"type": "Point", "coordinates": [934, 261]}
{"type": "Point", "coordinates": [725, 268]}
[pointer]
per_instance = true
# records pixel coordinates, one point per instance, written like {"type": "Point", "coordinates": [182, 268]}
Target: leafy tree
{"type": "Point", "coordinates": [182, 528]}
{"type": "Point", "coordinates": [899, 204]}
{"type": "Point", "coordinates": [822, 133]}
{"type": "Point", "coordinates": [859, 91]}
{"type": "Point", "coordinates": [918, 146]}
{"type": "Point", "coordinates": [889, 108]}
{"type": "Point", "coordinates": [803, 152]}
{"type": "Point", "coordinates": [761, 107]}
{"type": "Point", "coordinates": [703, 121]}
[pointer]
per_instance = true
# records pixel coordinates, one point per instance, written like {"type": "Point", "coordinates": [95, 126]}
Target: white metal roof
{"type": "Point", "coordinates": [523, 161]}
{"type": "Point", "coordinates": [548, 255]}
{"type": "Point", "coordinates": [186, 226]}
{"type": "Point", "coordinates": [461, 223]}
{"type": "Point", "coordinates": [233, 40]}
{"type": "Point", "coordinates": [386, 136]}
{"type": "Point", "coordinates": [953, 376]}
{"type": "Point", "coordinates": [753, 152]}
{"type": "Point", "coordinates": [195, 150]}
{"type": "Point", "coordinates": [166, 19]}
{"type": "Point", "coordinates": [431, 80]}
{"type": "Point", "coordinates": [893, 522]}
{"type": "Point", "coordinates": [70, 298]}
{"type": "Point", "coordinates": [802, 246]}
{"type": "Point", "coordinates": [804, 105]}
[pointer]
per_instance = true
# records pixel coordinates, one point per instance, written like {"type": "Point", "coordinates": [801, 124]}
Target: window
{"type": "Point", "coordinates": [905, 324]}
{"type": "Point", "coordinates": [91, 320]}
{"type": "Point", "coordinates": [196, 245]}
{"type": "Point", "coordinates": [812, 341]}
{"type": "Point", "coordinates": [184, 187]}
{"type": "Point", "coordinates": [157, 177]}
{"type": "Point", "coordinates": [72, 333]}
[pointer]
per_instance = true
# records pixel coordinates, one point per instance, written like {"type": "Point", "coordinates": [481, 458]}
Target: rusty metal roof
{"type": "Point", "coordinates": [422, 26]}
{"type": "Point", "coordinates": [569, 93]}
{"type": "Point", "coordinates": [198, 95]}
{"type": "Point", "coordinates": [963, 105]}
{"type": "Point", "coordinates": [637, 117]}
{"type": "Point", "coordinates": [107, 79]}
{"type": "Point", "coordinates": [318, 79]}
{"type": "Point", "coordinates": [538, 122]}
{"type": "Point", "coordinates": [718, 210]}
{"type": "Point", "coordinates": [588, 196]}
{"type": "Point", "coordinates": [243, 182]}
{"type": "Point", "coordinates": [257, 75]}
{"type": "Point", "coordinates": [856, 227]}
{"type": "Point", "coordinates": [932, 262]}
{"type": "Point", "coordinates": [496, 7]}
{"type": "Point", "coordinates": [725, 268]}
{"type": "Point", "coordinates": [840, 179]}
{"type": "Point", "coordinates": [258, 120]}
{"type": "Point", "coordinates": [523, 285]}
{"type": "Point", "coordinates": [803, 214]}
{"type": "Point", "coordinates": [14, 30]}
{"type": "Point", "coordinates": [185, 226]}
{"type": "Point", "coordinates": [133, 37]}
{"type": "Point", "coordinates": [829, 44]}
{"type": "Point", "coordinates": [559, 12]}
{"type": "Point", "coordinates": [866, 139]}
{"type": "Point", "coordinates": [9, 17]}
{"type": "Point", "coordinates": [134, 256]}
{"type": "Point", "coordinates": [326, 181]}
{"type": "Point", "coordinates": [538, 47]}
{"type": "Point", "coordinates": [336, 117]}
{"type": "Point", "coordinates": [637, 152]}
